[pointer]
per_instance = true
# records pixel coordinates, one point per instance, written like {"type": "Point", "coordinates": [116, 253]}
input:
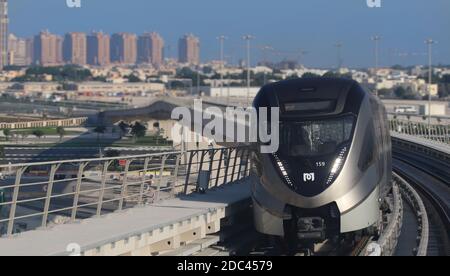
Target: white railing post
{"type": "Point", "coordinates": [123, 192]}
{"type": "Point", "coordinates": [175, 175]}
{"type": "Point", "coordinates": [161, 176]}
{"type": "Point", "coordinates": [12, 211]}
{"type": "Point", "coordinates": [144, 176]}
{"type": "Point", "coordinates": [76, 197]}
{"type": "Point", "coordinates": [48, 197]}
{"type": "Point", "coordinates": [106, 165]}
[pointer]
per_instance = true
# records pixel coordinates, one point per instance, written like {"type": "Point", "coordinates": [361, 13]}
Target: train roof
{"type": "Point", "coordinates": [312, 96]}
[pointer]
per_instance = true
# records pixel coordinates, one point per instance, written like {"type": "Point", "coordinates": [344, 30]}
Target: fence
{"type": "Point", "coordinates": [439, 133]}
{"type": "Point", "coordinates": [41, 194]}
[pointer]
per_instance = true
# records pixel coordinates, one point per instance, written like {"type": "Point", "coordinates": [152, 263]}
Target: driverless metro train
{"type": "Point", "coordinates": [332, 171]}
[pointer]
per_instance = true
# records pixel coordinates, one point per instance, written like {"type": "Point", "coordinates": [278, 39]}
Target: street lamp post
{"type": "Point", "coordinates": [222, 39]}
{"type": "Point", "coordinates": [376, 39]}
{"type": "Point", "coordinates": [248, 38]}
{"type": "Point", "coordinates": [339, 55]}
{"type": "Point", "coordinates": [198, 82]}
{"type": "Point", "coordinates": [265, 50]}
{"type": "Point", "coordinates": [301, 54]}
{"type": "Point", "coordinates": [430, 43]}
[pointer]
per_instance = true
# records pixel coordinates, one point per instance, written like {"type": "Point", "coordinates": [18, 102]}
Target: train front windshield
{"type": "Point", "coordinates": [311, 139]}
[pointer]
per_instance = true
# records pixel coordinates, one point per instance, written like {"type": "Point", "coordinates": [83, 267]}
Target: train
{"type": "Point", "coordinates": [331, 175]}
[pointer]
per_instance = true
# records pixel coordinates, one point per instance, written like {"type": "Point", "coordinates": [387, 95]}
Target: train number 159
{"type": "Point", "coordinates": [321, 164]}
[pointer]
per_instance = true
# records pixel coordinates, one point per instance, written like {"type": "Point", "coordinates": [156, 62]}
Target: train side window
{"type": "Point", "coordinates": [368, 152]}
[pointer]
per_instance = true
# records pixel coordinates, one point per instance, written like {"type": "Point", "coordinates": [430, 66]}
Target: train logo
{"type": "Point", "coordinates": [309, 177]}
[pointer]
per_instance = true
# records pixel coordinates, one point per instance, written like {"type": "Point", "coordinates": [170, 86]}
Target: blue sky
{"type": "Point", "coordinates": [286, 25]}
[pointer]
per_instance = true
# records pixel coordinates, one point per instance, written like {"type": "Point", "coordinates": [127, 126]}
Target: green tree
{"type": "Point", "coordinates": [403, 93]}
{"type": "Point", "coordinates": [138, 130]}
{"type": "Point", "coordinates": [188, 73]}
{"type": "Point", "coordinates": [38, 133]}
{"type": "Point", "coordinates": [331, 74]}
{"type": "Point", "coordinates": [59, 73]}
{"type": "Point", "coordinates": [2, 151]}
{"type": "Point", "coordinates": [61, 132]}
{"type": "Point", "coordinates": [310, 75]}
{"type": "Point", "coordinates": [384, 92]}
{"type": "Point", "coordinates": [133, 78]}
{"type": "Point", "coordinates": [123, 127]}
{"type": "Point", "coordinates": [7, 133]}
{"type": "Point", "coordinates": [292, 77]}
{"type": "Point", "coordinates": [400, 92]}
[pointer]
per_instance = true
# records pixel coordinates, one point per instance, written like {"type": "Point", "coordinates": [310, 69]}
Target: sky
{"type": "Point", "coordinates": [289, 26]}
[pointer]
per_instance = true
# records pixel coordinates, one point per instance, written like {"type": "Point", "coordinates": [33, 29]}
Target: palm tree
{"type": "Point", "coordinates": [123, 126]}
{"type": "Point", "coordinates": [61, 132]}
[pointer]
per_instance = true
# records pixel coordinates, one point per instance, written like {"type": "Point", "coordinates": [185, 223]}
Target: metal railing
{"type": "Point", "coordinates": [436, 132]}
{"type": "Point", "coordinates": [37, 195]}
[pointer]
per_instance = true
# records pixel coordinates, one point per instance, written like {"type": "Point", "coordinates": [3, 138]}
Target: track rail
{"type": "Point", "coordinates": [425, 168]}
{"type": "Point", "coordinates": [430, 190]}
{"type": "Point", "coordinates": [436, 186]}
{"type": "Point", "coordinates": [415, 201]}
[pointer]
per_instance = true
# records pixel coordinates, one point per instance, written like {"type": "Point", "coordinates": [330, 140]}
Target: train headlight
{"type": "Point", "coordinates": [337, 165]}
{"type": "Point", "coordinates": [283, 170]}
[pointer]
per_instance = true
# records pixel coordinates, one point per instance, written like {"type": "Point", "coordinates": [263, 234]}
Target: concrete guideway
{"type": "Point", "coordinates": [138, 231]}
{"type": "Point", "coordinates": [440, 147]}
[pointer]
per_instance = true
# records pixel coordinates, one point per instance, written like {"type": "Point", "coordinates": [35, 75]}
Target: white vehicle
{"type": "Point", "coordinates": [406, 110]}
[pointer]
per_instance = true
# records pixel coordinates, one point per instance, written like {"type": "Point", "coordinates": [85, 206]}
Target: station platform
{"type": "Point", "coordinates": [146, 230]}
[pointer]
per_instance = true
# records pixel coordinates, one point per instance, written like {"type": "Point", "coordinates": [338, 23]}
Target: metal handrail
{"type": "Point", "coordinates": [113, 186]}
{"type": "Point", "coordinates": [91, 159]}
{"type": "Point", "coordinates": [438, 133]}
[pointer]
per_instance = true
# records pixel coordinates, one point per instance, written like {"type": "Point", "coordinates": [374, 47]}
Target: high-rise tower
{"type": "Point", "coordinates": [189, 49]}
{"type": "Point", "coordinates": [124, 48]}
{"type": "Point", "coordinates": [150, 49]}
{"type": "Point", "coordinates": [3, 33]}
{"type": "Point", "coordinates": [98, 49]}
{"type": "Point", "coordinates": [74, 48]}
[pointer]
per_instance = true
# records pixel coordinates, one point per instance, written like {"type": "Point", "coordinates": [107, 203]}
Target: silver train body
{"type": "Point", "coordinates": [332, 170]}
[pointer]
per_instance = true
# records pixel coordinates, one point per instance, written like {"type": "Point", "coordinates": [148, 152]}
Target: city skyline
{"type": "Point", "coordinates": [125, 48]}
{"type": "Point", "coordinates": [299, 27]}
{"type": "Point", "coordinates": [97, 48]}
